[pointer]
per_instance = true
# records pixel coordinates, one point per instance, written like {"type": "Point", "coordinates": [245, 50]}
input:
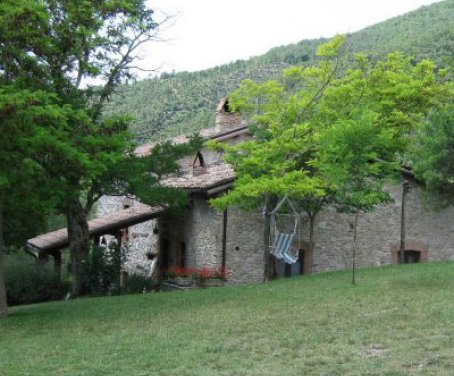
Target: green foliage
{"type": "Point", "coordinates": [177, 103]}
{"type": "Point", "coordinates": [30, 282]}
{"type": "Point", "coordinates": [334, 135]}
{"type": "Point", "coordinates": [331, 48]}
{"type": "Point", "coordinates": [398, 321]}
{"type": "Point", "coordinates": [136, 283]}
{"type": "Point", "coordinates": [349, 159]}
{"type": "Point", "coordinates": [433, 153]}
{"type": "Point", "coordinates": [101, 271]}
{"type": "Point", "coordinates": [51, 50]}
{"type": "Point", "coordinates": [31, 124]}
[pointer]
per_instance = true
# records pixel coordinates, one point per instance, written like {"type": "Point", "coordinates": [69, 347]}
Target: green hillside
{"type": "Point", "coordinates": [398, 320]}
{"type": "Point", "coordinates": [184, 102]}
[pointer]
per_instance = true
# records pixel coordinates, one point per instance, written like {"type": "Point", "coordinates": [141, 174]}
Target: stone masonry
{"type": "Point", "coordinates": [428, 231]}
{"type": "Point", "coordinates": [196, 238]}
{"type": "Point", "coordinates": [139, 241]}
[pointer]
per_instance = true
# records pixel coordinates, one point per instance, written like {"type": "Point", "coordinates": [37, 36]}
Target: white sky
{"type": "Point", "coordinates": [206, 33]}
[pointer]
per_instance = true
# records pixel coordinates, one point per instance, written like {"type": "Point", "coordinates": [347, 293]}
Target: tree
{"type": "Point", "coordinates": [327, 134]}
{"type": "Point", "coordinates": [348, 160]}
{"type": "Point", "coordinates": [57, 47]}
{"type": "Point", "coordinates": [277, 162]}
{"type": "Point", "coordinates": [432, 154]}
{"type": "Point", "coordinates": [27, 121]}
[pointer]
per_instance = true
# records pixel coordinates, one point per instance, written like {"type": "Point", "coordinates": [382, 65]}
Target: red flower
{"type": "Point", "coordinates": [207, 273]}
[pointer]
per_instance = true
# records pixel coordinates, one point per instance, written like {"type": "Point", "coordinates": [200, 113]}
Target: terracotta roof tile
{"type": "Point", "coordinates": [98, 226]}
{"type": "Point", "coordinates": [214, 175]}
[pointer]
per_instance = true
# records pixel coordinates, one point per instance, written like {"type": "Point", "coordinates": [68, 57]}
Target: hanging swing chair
{"type": "Point", "coordinates": [281, 242]}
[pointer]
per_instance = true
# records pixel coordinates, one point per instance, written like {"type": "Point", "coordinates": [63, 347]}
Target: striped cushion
{"type": "Point", "coordinates": [282, 243]}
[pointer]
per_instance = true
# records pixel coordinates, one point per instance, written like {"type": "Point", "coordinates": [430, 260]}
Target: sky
{"type": "Point", "coordinates": [205, 33]}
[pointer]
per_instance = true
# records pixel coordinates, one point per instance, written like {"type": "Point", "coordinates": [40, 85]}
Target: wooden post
{"type": "Point", "coordinates": [224, 239]}
{"type": "Point", "coordinates": [119, 236]}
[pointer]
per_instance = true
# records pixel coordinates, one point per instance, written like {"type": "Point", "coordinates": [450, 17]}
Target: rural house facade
{"type": "Point", "coordinates": [204, 237]}
{"type": "Point", "coordinates": [207, 237]}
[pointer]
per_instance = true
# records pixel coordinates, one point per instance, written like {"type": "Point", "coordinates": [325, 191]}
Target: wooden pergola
{"type": "Point", "coordinates": [53, 242]}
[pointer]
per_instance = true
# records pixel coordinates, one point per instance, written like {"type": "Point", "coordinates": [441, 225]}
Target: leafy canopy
{"type": "Point", "coordinates": [328, 133]}
{"type": "Point", "coordinates": [433, 153]}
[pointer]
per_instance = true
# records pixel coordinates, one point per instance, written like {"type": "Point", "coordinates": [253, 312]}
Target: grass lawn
{"type": "Point", "coordinates": [397, 320]}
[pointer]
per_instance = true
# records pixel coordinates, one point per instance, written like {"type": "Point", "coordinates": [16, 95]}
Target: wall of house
{"type": "Point", "coordinates": [428, 231]}
{"type": "Point", "coordinates": [141, 239]}
{"type": "Point", "coordinates": [201, 231]}
{"type": "Point", "coordinates": [244, 246]}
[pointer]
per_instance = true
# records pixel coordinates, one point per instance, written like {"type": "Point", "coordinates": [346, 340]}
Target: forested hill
{"type": "Point", "coordinates": [184, 102]}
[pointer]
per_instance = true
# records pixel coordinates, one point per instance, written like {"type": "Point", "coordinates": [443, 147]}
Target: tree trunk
{"type": "Point", "coordinates": [308, 259]}
{"type": "Point", "coordinates": [3, 303]}
{"type": "Point", "coordinates": [270, 203]}
{"type": "Point", "coordinates": [266, 246]}
{"type": "Point", "coordinates": [79, 243]}
{"type": "Point", "coordinates": [354, 247]}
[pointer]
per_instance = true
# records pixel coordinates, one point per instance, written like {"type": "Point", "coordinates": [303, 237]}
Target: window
{"type": "Point", "coordinates": [412, 257]}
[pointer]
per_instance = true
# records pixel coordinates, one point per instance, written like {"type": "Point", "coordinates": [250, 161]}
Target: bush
{"type": "Point", "coordinates": [101, 273]}
{"type": "Point", "coordinates": [30, 282]}
{"type": "Point", "coordinates": [138, 283]}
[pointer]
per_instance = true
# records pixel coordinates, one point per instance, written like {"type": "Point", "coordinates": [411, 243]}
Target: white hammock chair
{"type": "Point", "coordinates": [281, 242]}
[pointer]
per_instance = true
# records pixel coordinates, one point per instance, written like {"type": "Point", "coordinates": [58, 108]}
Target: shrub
{"type": "Point", "coordinates": [138, 283]}
{"type": "Point", "coordinates": [101, 273]}
{"type": "Point", "coordinates": [30, 282]}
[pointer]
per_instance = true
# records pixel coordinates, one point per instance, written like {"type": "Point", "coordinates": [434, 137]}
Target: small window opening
{"type": "Point", "coordinates": [412, 257]}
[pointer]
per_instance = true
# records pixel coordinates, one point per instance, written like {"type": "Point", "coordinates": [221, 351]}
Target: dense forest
{"type": "Point", "coordinates": [179, 103]}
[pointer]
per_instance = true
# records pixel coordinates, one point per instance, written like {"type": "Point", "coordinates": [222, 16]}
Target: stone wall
{"type": "Point", "coordinates": [244, 256]}
{"type": "Point", "coordinates": [201, 231]}
{"type": "Point", "coordinates": [140, 239]}
{"type": "Point", "coordinates": [198, 230]}
{"type": "Point", "coordinates": [428, 231]}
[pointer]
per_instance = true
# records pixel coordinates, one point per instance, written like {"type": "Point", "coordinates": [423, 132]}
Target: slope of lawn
{"type": "Point", "coordinates": [397, 320]}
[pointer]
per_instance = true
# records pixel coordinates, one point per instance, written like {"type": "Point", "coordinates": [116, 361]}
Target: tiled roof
{"type": "Point", "coordinates": [207, 134]}
{"type": "Point", "coordinates": [98, 226]}
{"type": "Point", "coordinates": [213, 175]}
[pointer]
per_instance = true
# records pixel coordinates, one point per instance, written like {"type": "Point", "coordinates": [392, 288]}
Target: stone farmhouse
{"type": "Point", "coordinates": [234, 239]}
